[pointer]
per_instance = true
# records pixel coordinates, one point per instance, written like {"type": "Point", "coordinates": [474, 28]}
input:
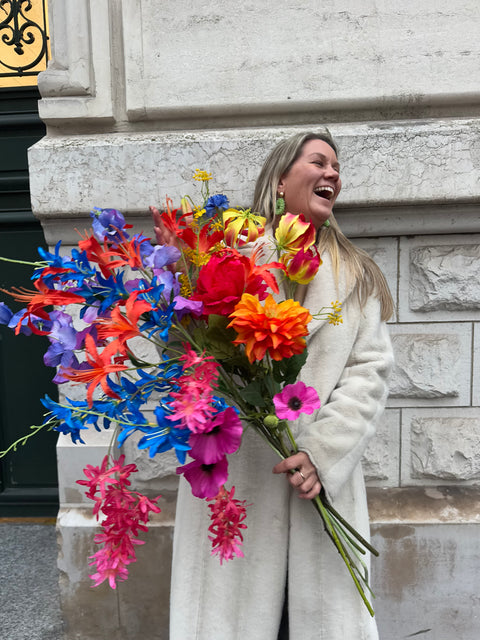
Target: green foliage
{"type": "Point", "coordinates": [288, 369]}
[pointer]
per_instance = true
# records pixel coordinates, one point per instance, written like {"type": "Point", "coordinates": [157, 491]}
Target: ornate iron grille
{"type": "Point", "coordinates": [28, 38]}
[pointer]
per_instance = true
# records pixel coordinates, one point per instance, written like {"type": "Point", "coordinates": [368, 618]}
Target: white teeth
{"type": "Point", "coordinates": [324, 189]}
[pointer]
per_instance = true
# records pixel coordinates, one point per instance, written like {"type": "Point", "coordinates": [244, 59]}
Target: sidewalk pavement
{"type": "Point", "coordinates": [29, 594]}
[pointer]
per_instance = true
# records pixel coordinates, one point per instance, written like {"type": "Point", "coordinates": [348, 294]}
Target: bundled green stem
{"type": "Point", "coordinates": [350, 544]}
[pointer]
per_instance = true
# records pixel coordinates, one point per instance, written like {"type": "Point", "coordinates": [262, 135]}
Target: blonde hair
{"type": "Point", "coordinates": [360, 268]}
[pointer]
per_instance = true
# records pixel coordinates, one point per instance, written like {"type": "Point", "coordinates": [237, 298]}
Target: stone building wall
{"type": "Point", "coordinates": [140, 93]}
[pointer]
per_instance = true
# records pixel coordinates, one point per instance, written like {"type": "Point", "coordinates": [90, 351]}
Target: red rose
{"type": "Point", "coordinates": [226, 277]}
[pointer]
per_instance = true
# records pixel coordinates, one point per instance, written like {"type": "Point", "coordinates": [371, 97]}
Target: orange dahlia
{"type": "Point", "coordinates": [276, 328]}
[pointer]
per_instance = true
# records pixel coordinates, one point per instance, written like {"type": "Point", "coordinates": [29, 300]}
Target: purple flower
{"type": "Point", "coordinates": [170, 283]}
{"type": "Point", "coordinates": [223, 437]}
{"type": "Point", "coordinates": [184, 306]}
{"type": "Point", "coordinates": [5, 314]}
{"type": "Point", "coordinates": [295, 399]}
{"type": "Point", "coordinates": [63, 338]}
{"type": "Point", "coordinates": [108, 224]}
{"type": "Point", "coordinates": [205, 479]}
{"type": "Point", "coordinates": [161, 256]}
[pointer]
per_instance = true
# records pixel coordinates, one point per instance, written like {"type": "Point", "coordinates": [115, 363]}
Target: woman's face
{"type": "Point", "coordinates": [313, 182]}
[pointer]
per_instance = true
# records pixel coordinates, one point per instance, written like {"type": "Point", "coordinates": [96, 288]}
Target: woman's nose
{"type": "Point", "coordinates": [332, 172]}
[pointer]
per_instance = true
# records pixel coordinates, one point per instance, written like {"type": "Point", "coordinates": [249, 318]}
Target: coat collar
{"type": "Point", "coordinates": [322, 291]}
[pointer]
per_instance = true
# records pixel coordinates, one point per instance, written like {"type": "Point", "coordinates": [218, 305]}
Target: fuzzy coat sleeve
{"type": "Point", "coordinates": [336, 440]}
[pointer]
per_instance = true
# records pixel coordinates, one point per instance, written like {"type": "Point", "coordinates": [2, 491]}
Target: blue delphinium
{"type": "Point", "coordinates": [68, 420]}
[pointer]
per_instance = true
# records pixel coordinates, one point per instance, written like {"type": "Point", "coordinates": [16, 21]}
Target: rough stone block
{"type": "Point", "coordinates": [432, 364]}
{"type": "Point", "coordinates": [382, 458]}
{"type": "Point", "coordinates": [154, 474]}
{"type": "Point", "coordinates": [78, 81]}
{"type": "Point", "coordinates": [88, 614]}
{"type": "Point", "coordinates": [476, 366]}
{"type": "Point", "coordinates": [439, 276]}
{"type": "Point", "coordinates": [441, 446]}
{"type": "Point", "coordinates": [445, 278]}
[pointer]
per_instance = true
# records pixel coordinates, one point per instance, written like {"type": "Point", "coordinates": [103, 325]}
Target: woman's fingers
{"type": "Point", "coordinates": [314, 491]}
{"type": "Point", "coordinates": [301, 474]}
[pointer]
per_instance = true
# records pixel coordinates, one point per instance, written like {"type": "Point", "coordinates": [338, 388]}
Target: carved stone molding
{"type": "Point", "coordinates": [77, 81]}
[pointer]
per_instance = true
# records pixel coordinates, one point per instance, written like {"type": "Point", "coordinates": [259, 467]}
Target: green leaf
{"type": "Point", "coordinates": [273, 387]}
{"type": "Point", "coordinates": [253, 395]}
{"type": "Point", "coordinates": [287, 370]}
{"type": "Point", "coordinates": [216, 338]}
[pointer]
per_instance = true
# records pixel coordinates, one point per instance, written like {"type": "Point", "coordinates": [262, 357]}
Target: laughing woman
{"type": "Point", "coordinates": [286, 549]}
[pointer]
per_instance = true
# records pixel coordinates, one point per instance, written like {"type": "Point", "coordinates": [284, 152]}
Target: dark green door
{"type": "Point", "coordinates": [28, 478]}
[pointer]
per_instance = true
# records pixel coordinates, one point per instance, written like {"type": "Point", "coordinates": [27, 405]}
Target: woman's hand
{"type": "Point", "coordinates": [305, 479]}
{"type": "Point", "coordinates": [163, 235]}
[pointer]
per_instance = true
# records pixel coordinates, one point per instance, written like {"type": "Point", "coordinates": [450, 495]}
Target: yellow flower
{"type": "Point", "coordinates": [201, 175]}
{"type": "Point", "coordinates": [197, 258]}
{"type": "Point", "coordinates": [185, 288]}
{"type": "Point", "coordinates": [294, 233]}
{"type": "Point", "coordinates": [335, 316]}
{"type": "Point", "coordinates": [242, 226]}
{"type": "Point", "coordinates": [198, 213]}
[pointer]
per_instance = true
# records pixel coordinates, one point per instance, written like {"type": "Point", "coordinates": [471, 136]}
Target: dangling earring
{"type": "Point", "coordinates": [280, 204]}
{"type": "Point", "coordinates": [326, 223]}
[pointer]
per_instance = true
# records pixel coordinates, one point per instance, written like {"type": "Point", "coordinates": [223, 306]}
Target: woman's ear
{"type": "Point", "coordinates": [281, 185]}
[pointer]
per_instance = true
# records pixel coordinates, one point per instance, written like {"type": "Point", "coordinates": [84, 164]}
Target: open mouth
{"type": "Point", "coordinates": [324, 192]}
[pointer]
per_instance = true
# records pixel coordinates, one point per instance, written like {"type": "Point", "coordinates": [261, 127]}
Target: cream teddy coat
{"type": "Point", "coordinates": [242, 599]}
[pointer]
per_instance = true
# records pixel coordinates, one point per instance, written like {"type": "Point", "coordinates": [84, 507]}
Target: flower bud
{"type": "Point", "coordinates": [302, 265]}
{"type": "Point", "coordinates": [186, 206]}
{"type": "Point", "coordinates": [270, 421]}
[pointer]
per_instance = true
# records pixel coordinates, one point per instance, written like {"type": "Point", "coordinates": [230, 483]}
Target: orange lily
{"type": "Point", "coordinates": [123, 327]}
{"type": "Point", "coordinates": [100, 367]}
{"type": "Point", "coordinates": [96, 253]}
{"type": "Point", "coordinates": [39, 299]}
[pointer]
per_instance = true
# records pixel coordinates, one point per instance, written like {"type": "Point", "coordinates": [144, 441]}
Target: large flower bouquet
{"type": "Point", "coordinates": [227, 353]}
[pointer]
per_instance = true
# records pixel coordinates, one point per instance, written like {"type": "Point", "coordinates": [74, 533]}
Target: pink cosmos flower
{"type": "Point", "coordinates": [205, 479]}
{"type": "Point", "coordinates": [295, 399]}
{"type": "Point", "coordinates": [223, 436]}
{"type": "Point", "coordinates": [227, 518]}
